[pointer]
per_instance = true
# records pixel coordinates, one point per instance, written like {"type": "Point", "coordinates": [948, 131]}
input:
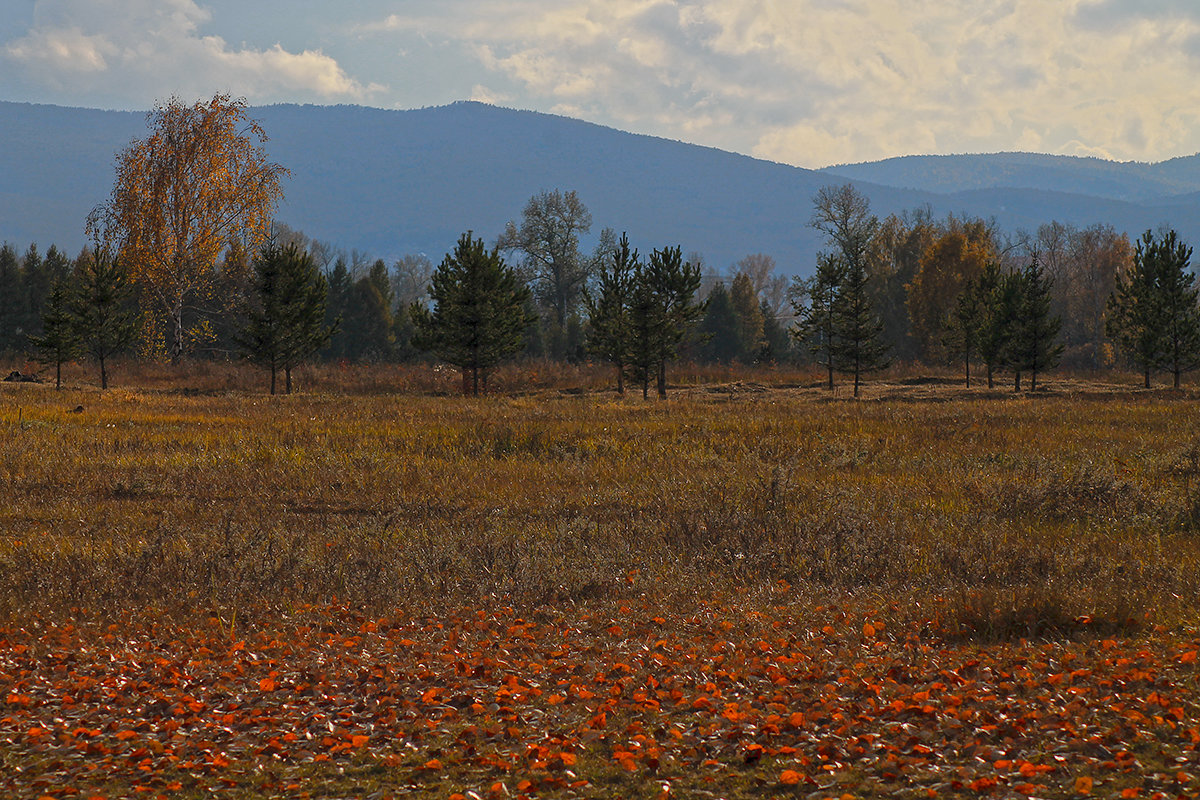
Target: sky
{"type": "Point", "coordinates": [805, 82]}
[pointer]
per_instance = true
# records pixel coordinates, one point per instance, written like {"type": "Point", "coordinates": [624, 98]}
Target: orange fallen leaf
{"type": "Point", "coordinates": [789, 777]}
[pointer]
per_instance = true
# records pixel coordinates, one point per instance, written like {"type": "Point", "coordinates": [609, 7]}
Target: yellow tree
{"type": "Point", "coordinates": [951, 260]}
{"type": "Point", "coordinates": [199, 180]}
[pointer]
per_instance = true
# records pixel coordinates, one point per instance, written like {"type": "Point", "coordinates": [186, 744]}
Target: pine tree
{"type": "Point", "coordinates": [778, 342]}
{"type": "Point", "coordinates": [720, 328]}
{"type": "Point", "coordinates": [662, 313]}
{"type": "Point", "coordinates": [60, 338]}
{"type": "Point", "coordinates": [1177, 293]}
{"type": "Point", "coordinates": [286, 321]}
{"type": "Point", "coordinates": [337, 309]}
{"type": "Point", "coordinates": [99, 306]}
{"type": "Point", "coordinates": [998, 299]}
{"type": "Point", "coordinates": [11, 299]}
{"type": "Point", "coordinates": [816, 308]}
{"type": "Point", "coordinates": [963, 326]}
{"type": "Point", "coordinates": [1032, 346]}
{"type": "Point", "coordinates": [609, 309]}
{"type": "Point", "coordinates": [1134, 317]}
{"type": "Point", "coordinates": [857, 336]}
{"type": "Point", "coordinates": [480, 311]}
{"type": "Point", "coordinates": [674, 282]}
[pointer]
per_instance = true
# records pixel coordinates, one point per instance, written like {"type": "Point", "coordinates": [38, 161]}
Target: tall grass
{"type": "Point", "coordinates": [1007, 515]}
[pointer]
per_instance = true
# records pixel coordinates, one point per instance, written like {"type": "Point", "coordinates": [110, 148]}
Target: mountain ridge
{"type": "Point", "coordinates": [393, 182]}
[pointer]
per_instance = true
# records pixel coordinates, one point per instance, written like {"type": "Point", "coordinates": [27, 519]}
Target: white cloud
{"type": "Point", "coordinates": [154, 48]}
{"type": "Point", "coordinates": [813, 82]}
{"type": "Point", "coordinates": [810, 82]}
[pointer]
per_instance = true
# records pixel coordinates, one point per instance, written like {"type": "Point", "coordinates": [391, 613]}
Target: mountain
{"type": "Point", "coordinates": [395, 182]}
{"type": "Point", "coordinates": [1128, 181]}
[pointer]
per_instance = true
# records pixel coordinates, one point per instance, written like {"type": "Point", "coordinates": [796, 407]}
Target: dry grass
{"type": "Point", "coordinates": [1001, 515]}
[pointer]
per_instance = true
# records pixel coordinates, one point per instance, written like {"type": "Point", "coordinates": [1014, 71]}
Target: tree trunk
{"type": "Point", "coordinates": [1147, 376]}
{"type": "Point", "coordinates": [967, 369]}
{"type": "Point", "coordinates": [991, 381]}
{"type": "Point", "coordinates": [103, 374]}
{"type": "Point", "coordinates": [58, 375]}
{"type": "Point", "coordinates": [475, 381]}
{"type": "Point", "coordinates": [1176, 373]}
{"type": "Point", "coordinates": [177, 334]}
{"type": "Point", "coordinates": [287, 371]}
{"type": "Point", "coordinates": [1017, 381]}
{"type": "Point", "coordinates": [662, 379]}
{"type": "Point", "coordinates": [272, 379]}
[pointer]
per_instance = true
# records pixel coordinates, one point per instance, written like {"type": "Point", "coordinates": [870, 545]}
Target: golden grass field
{"type": "Point", "coordinates": [1081, 500]}
{"type": "Point", "coordinates": [976, 517]}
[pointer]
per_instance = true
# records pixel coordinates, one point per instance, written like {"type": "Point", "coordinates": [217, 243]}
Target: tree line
{"type": "Point", "coordinates": [184, 260]}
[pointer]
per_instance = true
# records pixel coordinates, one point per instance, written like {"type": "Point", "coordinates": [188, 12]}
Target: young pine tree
{"type": "Point", "coordinates": [674, 282]}
{"type": "Point", "coordinates": [720, 328]}
{"type": "Point", "coordinates": [1134, 316]}
{"type": "Point", "coordinates": [816, 308]}
{"type": "Point", "coordinates": [961, 338]}
{"type": "Point", "coordinates": [609, 310]}
{"type": "Point", "coordinates": [1180, 315]}
{"type": "Point", "coordinates": [858, 331]}
{"type": "Point", "coordinates": [286, 319]}
{"type": "Point", "coordinates": [104, 323]}
{"type": "Point", "coordinates": [480, 312]}
{"type": "Point", "coordinates": [1032, 346]}
{"type": "Point", "coordinates": [60, 338]}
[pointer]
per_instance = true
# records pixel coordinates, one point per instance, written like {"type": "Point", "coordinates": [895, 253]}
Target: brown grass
{"type": "Point", "coordinates": [1006, 515]}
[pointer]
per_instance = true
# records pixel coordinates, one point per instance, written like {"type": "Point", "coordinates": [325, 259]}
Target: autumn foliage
{"type": "Point", "coordinates": [198, 182]}
{"type": "Point", "coordinates": [743, 592]}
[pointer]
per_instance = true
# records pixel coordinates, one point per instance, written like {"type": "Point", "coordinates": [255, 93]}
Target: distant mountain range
{"type": "Point", "coordinates": [396, 182]}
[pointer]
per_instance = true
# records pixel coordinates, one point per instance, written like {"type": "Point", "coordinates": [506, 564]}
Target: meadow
{"type": "Point", "coordinates": [752, 588]}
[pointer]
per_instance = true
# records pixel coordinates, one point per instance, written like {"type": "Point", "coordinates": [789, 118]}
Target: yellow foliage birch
{"type": "Point", "coordinates": [200, 180]}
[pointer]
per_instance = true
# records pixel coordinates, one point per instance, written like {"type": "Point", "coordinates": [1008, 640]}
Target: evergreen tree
{"type": "Point", "coordinates": [337, 309]}
{"type": "Point", "coordinates": [11, 299]}
{"type": "Point", "coordinates": [1180, 315]}
{"type": "Point", "coordinates": [963, 326]}
{"type": "Point", "coordinates": [105, 324]}
{"type": "Point", "coordinates": [480, 311]}
{"type": "Point", "coordinates": [1134, 313]}
{"type": "Point", "coordinates": [60, 338]}
{"type": "Point", "coordinates": [609, 310]}
{"type": "Point", "coordinates": [286, 321]}
{"type": "Point", "coordinates": [367, 322]}
{"type": "Point", "coordinates": [1032, 346]}
{"type": "Point", "coordinates": [720, 328]}
{"type": "Point", "coordinates": [998, 301]}
{"type": "Point", "coordinates": [662, 313]}
{"type": "Point", "coordinates": [777, 342]}
{"type": "Point", "coordinates": [674, 283]}
{"type": "Point", "coordinates": [815, 302]}
{"type": "Point", "coordinates": [857, 337]}
{"type": "Point", "coordinates": [35, 284]}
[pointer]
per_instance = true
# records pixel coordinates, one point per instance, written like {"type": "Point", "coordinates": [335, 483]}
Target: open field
{"type": "Point", "coordinates": [743, 591]}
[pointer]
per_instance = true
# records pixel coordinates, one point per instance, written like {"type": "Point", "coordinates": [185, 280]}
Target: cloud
{"type": "Point", "coordinates": [808, 82]}
{"type": "Point", "coordinates": [813, 83]}
{"type": "Point", "coordinates": [154, 48]}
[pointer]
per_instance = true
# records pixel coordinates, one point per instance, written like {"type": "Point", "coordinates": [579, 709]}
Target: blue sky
{"type": "Point", "coordinates": [799, 81]}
